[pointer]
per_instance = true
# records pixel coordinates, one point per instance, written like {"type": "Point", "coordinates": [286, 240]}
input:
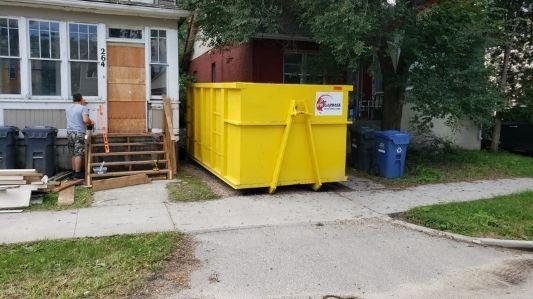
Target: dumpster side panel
{"type": "Point", "coordinates": [242, 134]}
{"type": "Point", "coordinates": [232, 145]}
{"type": "Point", "coordinates": [264, 115]}
{"type": "Point", "coordinates": [331, 151]}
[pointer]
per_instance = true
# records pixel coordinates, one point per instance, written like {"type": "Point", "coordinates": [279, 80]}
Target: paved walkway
{"type": "Point", "coordinates": [145, 208]}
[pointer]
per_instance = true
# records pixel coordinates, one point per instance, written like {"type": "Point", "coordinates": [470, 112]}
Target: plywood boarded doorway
{"type": "Point", "coordinates": [126, 88]}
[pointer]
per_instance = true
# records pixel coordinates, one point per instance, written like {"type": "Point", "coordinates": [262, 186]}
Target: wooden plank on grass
{"type": "Point", "coordinates": [66, 197]}
{"type": "Point", "coordinates": [131, 180]}
{"type": "Point", "coordinates": [66, 184]}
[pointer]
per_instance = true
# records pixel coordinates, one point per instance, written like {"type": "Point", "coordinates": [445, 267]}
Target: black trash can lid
{"type": "Point", "coordinates": [39, 129]}
{"type": "Point", "coordinates": [9, 128]}
{"type": "Point", "coordinates": [4, 131]}
{"type": "Point", "coordinates": [365, 132]}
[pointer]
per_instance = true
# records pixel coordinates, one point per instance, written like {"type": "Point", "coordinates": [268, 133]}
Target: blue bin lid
{"type": "Point", "coordinates": [396, 136]}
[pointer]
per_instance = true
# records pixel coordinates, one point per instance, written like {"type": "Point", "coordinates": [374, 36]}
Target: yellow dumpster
{"type": "Point", "coordinates": [266, 135]}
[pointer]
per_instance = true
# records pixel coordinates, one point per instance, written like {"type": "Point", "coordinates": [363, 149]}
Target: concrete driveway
{"type": "Point", "coordinates": [304, 244]}
{"type": "Point", "coordinates": [342, 244]}
{"type": "Point", "coordinates": [365, 258]}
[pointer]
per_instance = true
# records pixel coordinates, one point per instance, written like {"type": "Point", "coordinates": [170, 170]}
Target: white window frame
{"type": "Point", "coordinates": [20, 58]}
{"type": "Point", "coordinates": [97, 61]}
{"type": "Point", "coordinates": [148, 37]}
{"type": "Point", "coordinates": [25, 65]}
{"type": "Point", "coordinates": [63, 65]}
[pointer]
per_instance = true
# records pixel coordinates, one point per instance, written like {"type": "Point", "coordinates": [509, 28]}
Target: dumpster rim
{"type": "Point", "coordinates": [242, 85]}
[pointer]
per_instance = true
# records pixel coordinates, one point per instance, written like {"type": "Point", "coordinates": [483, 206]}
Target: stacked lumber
{"type": "Point", "coordinates": [17, 185]}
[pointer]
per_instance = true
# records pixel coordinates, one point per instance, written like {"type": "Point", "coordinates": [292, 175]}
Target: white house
{"type": "Point", "coordinates": [121, 55]}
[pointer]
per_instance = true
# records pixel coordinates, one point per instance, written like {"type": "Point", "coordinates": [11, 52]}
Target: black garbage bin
{"type": "Point", "coordinates": [517, 137]}
{"type": "Point", "coordinates": [364, 148]}
{"type": "Point", "coordinates": [8, 138]}
{"type": "Point", "coordinates": [41, 149]}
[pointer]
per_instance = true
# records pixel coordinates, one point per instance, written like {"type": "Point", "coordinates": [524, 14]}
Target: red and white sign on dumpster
{"type": "Point", "coordinates": [328, 103]}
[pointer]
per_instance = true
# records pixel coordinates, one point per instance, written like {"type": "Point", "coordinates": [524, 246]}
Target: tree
{"type": "Point", "coordinates": [512, 56]}
{"type": "Point", "coordinates": [437, 47]}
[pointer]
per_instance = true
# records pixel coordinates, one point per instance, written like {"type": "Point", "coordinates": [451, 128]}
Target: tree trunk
{"type": "Point", "coordinates": [394, 82]}
{"type": "Point", "coordinates": [392, 108]}
{"type": "Point", "coordinates": [496, 131]}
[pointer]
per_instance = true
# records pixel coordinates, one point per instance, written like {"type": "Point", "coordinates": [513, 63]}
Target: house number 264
{"type": "Point", "coordinates": [102, 57]}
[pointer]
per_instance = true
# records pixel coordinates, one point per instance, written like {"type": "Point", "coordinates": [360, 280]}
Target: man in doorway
{"type": "Point", "coordinates": [77, 120]}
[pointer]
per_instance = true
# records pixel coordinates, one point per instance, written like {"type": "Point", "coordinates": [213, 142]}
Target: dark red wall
{"type": "Point", "coordinates": [267, 61]}
{"type": "Point", "coordinates": [259, 61]}
{"type": "Point", "coordinates": [231, 64]}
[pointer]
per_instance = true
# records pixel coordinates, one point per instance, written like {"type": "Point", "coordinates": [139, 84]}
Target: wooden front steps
{"type": "Point", "coordinates": [129, 154]}
{"type": "Point", "coordinates": [120, 163]}
{"type": "Point", "coordinates": [161, 172]}
{"type": "Point", "coordinates": [138, 153]}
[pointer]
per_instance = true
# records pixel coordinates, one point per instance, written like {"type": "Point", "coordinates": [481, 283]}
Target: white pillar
{"type": "Point", "coordinates": [173, 76]}
{"type": "Point", "coordinates": [101, 111]}
{"type": "Point", "coordinates": [64, 55]}
{"type": "Point", "coordinates": [24, 58]}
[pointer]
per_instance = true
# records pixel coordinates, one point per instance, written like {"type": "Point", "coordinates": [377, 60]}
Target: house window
{"type": "Point", "coordinates": [9, 57]}
{"type": "Point", "coordinates": [45, 58]}
{"type": "Point", "coordinates": [83, 59]}
{"type": "Point", "coordinates": [125, 33]}
{"type": "Point", "coordinates": [158, 62]}
{"type": "Point", "coordinates": [302, 68]}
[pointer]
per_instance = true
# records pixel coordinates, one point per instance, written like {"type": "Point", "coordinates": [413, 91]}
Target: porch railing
{"type": "Point", "coordinates": [170, 138]}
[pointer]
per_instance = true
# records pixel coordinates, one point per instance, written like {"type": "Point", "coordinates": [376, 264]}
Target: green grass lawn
{"type": "Point", "coordinates": [461, 165]}
{"type": "Point", "coordinates": [190, 188]}
{"type": "Point", "coordinates": [83, 197]}
{"type": "Point", "coordinates": [503, 217]}
{"type": "Point", "coordinates": [90, 267]}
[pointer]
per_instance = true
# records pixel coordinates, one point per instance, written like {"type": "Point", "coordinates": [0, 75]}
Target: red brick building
{"type": "Point", "coordinates": [261, 60]}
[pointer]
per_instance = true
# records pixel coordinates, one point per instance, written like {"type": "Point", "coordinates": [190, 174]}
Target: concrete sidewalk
{"type": "Point", "coordinates": [145, 208]}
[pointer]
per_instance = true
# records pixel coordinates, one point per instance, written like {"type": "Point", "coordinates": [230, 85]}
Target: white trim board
{"type": "Point", "coordinates": [103, 8]}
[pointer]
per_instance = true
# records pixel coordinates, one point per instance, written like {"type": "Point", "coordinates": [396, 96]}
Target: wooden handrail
{"type": "Point", "coordinates": [167, 106]}
{"type": "Point", "coordinates": [88, 157]}
{"type": "Point", "coordinates": [170, 138]}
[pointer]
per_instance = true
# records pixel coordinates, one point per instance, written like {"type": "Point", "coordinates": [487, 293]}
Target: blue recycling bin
{"type": "Point", "coordinates": [390, 151]}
